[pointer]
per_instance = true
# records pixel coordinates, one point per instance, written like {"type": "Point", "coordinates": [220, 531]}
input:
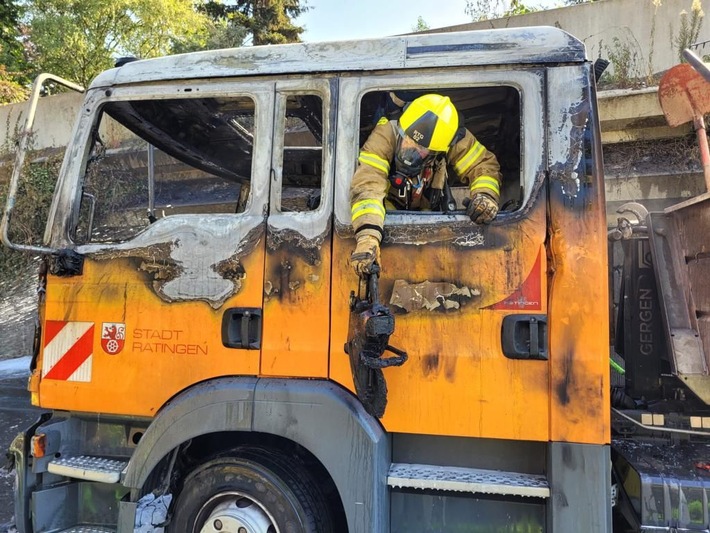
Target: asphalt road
{"type": "Point", "coordinates": [16, 414]}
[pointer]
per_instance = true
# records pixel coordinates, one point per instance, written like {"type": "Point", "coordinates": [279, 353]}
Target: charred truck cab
{"type": "Point", "coordinates": [196, 301]}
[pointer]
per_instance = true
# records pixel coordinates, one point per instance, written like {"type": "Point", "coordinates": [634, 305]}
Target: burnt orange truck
{"type": "Point", "coordinates": [195, 307]}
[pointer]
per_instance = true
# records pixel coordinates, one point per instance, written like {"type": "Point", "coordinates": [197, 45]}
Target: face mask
{"type": "Point", "coordinates": [410, 160]}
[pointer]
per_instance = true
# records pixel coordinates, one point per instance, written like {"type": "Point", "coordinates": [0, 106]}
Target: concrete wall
{"type": "Point", "coordinates": [646, 31]}
{"type": "Point", "coordinates": [53, 124]}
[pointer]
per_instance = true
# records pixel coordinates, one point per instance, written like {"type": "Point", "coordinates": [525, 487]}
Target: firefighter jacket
{"type": "Point", "coordinates": [370, 189]}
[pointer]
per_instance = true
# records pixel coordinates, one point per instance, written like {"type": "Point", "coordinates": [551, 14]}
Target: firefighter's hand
{"type": "Point", "coordinates": [481, 208]}
{"type": "Point", "coordinates": [366, 253]}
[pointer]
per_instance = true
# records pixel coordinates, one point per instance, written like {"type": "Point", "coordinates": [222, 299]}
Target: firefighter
{"type": "Point", "coordinates": [402, 165]}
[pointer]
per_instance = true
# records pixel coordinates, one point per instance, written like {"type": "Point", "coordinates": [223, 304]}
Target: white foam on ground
{"type": "Point", "coordinates": [151, 513]}
{"type": "Point", "coordinates": [19, 366]}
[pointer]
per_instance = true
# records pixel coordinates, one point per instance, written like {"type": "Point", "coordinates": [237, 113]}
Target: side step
{"type": "Point", "coordinates": [473, 480]}
{"type": "Point", "coordinates": [89, 468]}
{"type": "Point", "coordinates": [88, 529]}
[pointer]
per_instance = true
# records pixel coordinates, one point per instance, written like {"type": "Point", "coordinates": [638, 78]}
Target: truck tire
{"type": "Point", "coordinates": [254, 489]}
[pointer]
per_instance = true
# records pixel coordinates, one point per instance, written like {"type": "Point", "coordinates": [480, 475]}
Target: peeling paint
{"type": "Point", "coordinates": [294, 262]}
{"type": "Point", "coordinates": [571, 111]}
{"type": "Point", "coordinates": [463, 234]}
{"type": "Point", "coordinates": [190, 258]}
{"type": "Point", "coordinates": [230, 268]}
{"type": "Point", "coordinates": [308, 249]}
{"type": "Point", "coordinates": [430, 296]}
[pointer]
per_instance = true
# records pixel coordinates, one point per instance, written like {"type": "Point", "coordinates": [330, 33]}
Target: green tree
{"type": "Point", "coordinates": [491, 9]}
{"type": "Point", "coordinates": [12, 45]}
{"type": "Point", "coordinates": [11, 90]}
{"type": "Point", "coordinates": [77, 39]}
{"type": "Point", "coordinates": [260, 21]}
{"type": "Point", "coordinates": [13, 66]}
{"type": "Point", "coordinates": [421, 25]}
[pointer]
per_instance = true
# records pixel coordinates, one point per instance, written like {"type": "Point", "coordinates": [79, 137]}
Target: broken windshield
{"type": "Point", "coordinates": [156, 158]}
{"type": "Point", "coordinates": [215, 135]}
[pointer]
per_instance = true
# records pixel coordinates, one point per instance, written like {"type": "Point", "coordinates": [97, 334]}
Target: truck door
{"type": "Point", "coordinates": [469, 301]}
{"type": "Point", "coordinates": [169, 217]}
{"type": "Point", "coordinates": [298, 241]}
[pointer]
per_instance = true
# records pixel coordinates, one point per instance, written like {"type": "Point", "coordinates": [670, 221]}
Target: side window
{"type": "Point", "coordinates": [491, 114]}
{"type": "Point", "coordinates": [157, 158]}
{"type": "Point", "coordinates": [302, 154]}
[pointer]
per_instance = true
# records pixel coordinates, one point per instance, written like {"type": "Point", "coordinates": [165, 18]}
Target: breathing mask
{"type": "Point", "coordinates": [410, 159]}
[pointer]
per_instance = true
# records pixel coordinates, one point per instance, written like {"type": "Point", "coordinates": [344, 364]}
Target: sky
{"type": "Point", "coordinates": [332, 20]}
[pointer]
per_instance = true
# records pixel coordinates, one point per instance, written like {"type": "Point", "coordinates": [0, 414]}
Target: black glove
{"type": "Point", "coordinates": [481, 208]}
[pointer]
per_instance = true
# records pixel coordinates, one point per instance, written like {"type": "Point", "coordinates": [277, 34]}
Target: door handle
{"type": "Point", "coordinates": [525, 337]}
{"type": "Point", "coordinates": [241, 328]}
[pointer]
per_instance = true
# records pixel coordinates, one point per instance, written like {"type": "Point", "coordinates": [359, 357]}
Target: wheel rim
{"type": "Point", "coordinates": [234, 512]}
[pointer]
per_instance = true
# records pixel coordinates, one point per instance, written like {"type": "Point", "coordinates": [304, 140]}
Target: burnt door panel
{"type": "Point", "coordinates": [175, 240]}
{"type": "Point", "coordinates": [451, 283]}
{"type": "Point", "coordinates": [298, 241]}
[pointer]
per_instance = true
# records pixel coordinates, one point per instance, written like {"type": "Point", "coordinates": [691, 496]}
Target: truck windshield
{"type": "Point", "coordinates": [212, 134]}
{"type": "Point", "coordinates": [154, 158]}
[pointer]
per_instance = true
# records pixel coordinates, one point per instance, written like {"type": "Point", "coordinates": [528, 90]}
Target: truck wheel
{"type": "Point", "coordinates": [251, 491]}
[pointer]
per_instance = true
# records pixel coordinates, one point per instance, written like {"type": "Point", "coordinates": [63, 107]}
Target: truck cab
{"type": "Point", "coordinates": [196, 300]}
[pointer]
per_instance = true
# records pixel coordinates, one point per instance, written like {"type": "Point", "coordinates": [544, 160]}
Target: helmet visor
{"type": "Point", "coordinates": [411, 157]}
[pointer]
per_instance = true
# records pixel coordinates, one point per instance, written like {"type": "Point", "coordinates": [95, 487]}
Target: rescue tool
{"type": "Point", "coordinates": [371, 324]}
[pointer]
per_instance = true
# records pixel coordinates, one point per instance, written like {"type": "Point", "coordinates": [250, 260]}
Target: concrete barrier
{"type": "Point", "coordinates": [641, 34]}
{"type": "Point", "coordinates": [54, 121]}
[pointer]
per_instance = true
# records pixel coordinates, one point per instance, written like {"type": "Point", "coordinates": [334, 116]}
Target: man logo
{"type": "Point", "coordinates": [417, 136]}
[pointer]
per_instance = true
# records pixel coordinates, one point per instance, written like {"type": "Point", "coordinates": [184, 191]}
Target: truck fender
{"type": "Point", "coordinates": [319, 415]}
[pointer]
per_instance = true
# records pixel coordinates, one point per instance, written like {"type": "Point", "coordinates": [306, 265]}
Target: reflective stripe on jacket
{"type": "Point", "coordinates": [472, 162]}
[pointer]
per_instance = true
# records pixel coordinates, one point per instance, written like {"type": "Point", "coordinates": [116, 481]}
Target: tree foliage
{"type": "Point", "coordinates": [13, 55]}
{"type": "Point", "coordinates": [260, 21]}
{"type": "Point", "coordinates": [13, 66]}
{"type": "Point", "coordinates": [11, 90]}
{"type": "Point", "coordinates": [491, 9]}
{"type": "Point", "coordinates": [77, 39]}
{"type": "Point", "coordinates": [421, 25]}
{"type": "Point", "coordinates": [10, 46]}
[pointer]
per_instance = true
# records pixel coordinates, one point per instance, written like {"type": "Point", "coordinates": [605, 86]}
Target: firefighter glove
{"type": "Point", "coordinates": [481, 208]}
{"type": "Point", "coordinates": [366, 253]}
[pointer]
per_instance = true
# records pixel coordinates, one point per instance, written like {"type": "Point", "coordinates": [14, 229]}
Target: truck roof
{"type": "Point", "coordinates": [482, 47]}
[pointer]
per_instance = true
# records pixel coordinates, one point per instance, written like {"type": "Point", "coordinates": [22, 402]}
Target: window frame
{"type": "Point", "coordinates": [529, 82]}
{"type": "Point", "coordinates": [261, 92]}
{"type": "Point", "coordinates": [313, 222]}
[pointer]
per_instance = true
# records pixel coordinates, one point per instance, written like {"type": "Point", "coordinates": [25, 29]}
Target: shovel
{"type": "Point", "coordinates": [684, 95]}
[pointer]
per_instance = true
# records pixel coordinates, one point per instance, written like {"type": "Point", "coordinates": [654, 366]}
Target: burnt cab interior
{"type": "Point", "coordinates": [202, 154]}
{"type": "Point", "coordinates": [492, 114]}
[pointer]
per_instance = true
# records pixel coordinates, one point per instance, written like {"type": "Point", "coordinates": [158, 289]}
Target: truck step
{"type": "Point", "coordinates": [88, 529]}
{"type": "Point", "coordinates": [90, 468]}
{"type": "Point", "coordinates": [473, 480]}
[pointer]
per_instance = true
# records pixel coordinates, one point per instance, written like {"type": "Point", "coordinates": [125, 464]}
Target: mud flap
{"type": "Point", "coordinates": [369, 330]}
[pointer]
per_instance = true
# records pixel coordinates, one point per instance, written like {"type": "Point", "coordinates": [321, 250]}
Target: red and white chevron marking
{"type": "Point", "coordinates": [68, 350]}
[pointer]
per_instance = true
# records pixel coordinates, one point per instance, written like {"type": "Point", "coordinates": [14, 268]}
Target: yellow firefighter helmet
{"type": "Point", "coordinates": [431, 121]}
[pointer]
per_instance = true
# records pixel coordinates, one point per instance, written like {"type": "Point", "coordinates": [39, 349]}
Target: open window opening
{"type": "Point", "coordinates": [302, 161]}
{"type": "Point", "coordinates": [152, 159]}
{"type": "Point", "coordinates": [492, 114]}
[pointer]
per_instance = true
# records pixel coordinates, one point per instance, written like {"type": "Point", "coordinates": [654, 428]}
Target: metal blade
{"type": "Point", "coordinates": [684, 95]}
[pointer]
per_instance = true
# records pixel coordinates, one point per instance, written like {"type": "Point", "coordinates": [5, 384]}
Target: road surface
{"type": "Point", "coordinates": [16, 413]}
